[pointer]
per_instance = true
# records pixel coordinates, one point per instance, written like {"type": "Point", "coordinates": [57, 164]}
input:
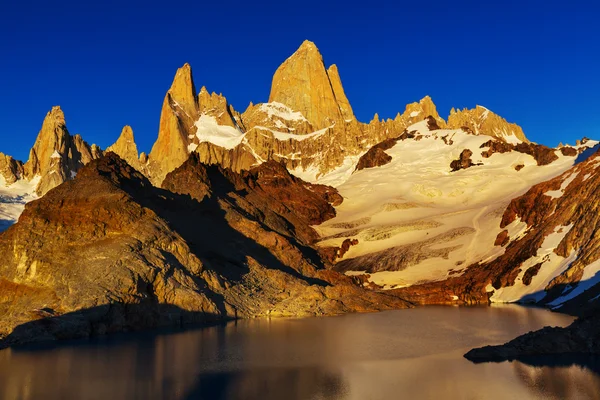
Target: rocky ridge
{"type": "Point", "coordinates": [55, 157]}
{"type": "Point", "coordinates": [108, 252]}
{"type": "Point", "coordinates": [579, 338]}
{"type": "Point", "coordinates": [126, 148]}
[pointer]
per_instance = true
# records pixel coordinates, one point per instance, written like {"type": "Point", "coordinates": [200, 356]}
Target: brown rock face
{"type": "Point", "coordinates": [482, 121]}
{"type": "Point", "coordinates": [56, 156]}
{"type": "Point", "coordinates": [338, 91]}
{"type": "Point", "coordinates": [543, 155]}
{"type": "Point", "coordinates": [108, 252]}
{"type": "Point", "coordinates": [419, 111]}
{"type": "Point", "coordinates": [177, 117]}
{"type": "Point", "coordinates": [376, 156]}
{"type": "Point", "coordinates": [463, 162]}
{"type": "Point", "coordinates": [126, 148]}
{"type": "Point", "coordinates": [302, 83]}
{"type": "Point", "coordinates": [579, 338]}
{"type": "Point", "coordinates": [10, 169]}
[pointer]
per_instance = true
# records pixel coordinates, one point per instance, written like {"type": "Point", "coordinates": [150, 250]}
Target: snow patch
{"type": "Point", "coordinates": [56, 154]}
{"type": "Point", "coordinates": [192, 147]}
{"type": "Point", "coordinates": [221, 135]}
{"type": "Point", "coordinates": [279, 110]}
{"type": "Point", "coordinates": [590, 277]}
{"type": "Point", "coordinates": [555, 194]}
{"type": "Point", "coordinates": [13, 199]}
{"type": "Point", "coordinates": [552, 266]}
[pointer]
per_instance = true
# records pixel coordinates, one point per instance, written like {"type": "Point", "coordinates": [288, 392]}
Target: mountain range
{"type": "Point", "coordinates": [292, 207]}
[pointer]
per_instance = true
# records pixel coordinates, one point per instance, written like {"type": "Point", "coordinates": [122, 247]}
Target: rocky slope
{"type": "Point", "coordinates": [443, 211]}
{"type": "Point", "coordinates": [109, 252]}
{"type": "Point", "coordinates": [547, 253]}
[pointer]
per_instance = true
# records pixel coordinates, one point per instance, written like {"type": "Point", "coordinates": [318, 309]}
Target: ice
{"type": "Point", "coordinates": [555, 194]}
{"type": "Point", "coordinates": [552, 266]}
{"type": "Point", "coordinates": [417, 188]}
{"type": "Point", "coordinates": [13, 199]}
{"type": "Point", "coordinates": [275, 109]}
{"type": "Point", "coordinates": [221, 135]}
{"type": "Point", "coordinates": [590, 277]}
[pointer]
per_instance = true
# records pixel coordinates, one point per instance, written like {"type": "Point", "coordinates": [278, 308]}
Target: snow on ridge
{"type": "Point", "coordinates": [56, 154]}
{"type": "Point", "coordinates": [590, 277]}
{"type": "Point", "coordinates": [555, 194]}
{"type": "Point", "coordinates": [282, 136]}
{"type": "Point", "coordinates": [276, 109]}
{"type": "Point", "coordinates": [552, 266]}
{"type": "Point", "coordinates": [13, 199]}
{"type": "Point", "coordinates": [209, 130]}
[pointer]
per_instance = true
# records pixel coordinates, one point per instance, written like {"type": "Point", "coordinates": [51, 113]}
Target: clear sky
{"type": "Point", "coordinates": [109, 63]}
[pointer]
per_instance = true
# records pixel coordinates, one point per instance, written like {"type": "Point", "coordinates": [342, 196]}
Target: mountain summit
{"type": "Point", "coordinates": [303, 84]}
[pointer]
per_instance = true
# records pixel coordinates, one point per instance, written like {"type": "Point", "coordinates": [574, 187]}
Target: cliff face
{"type": "Point", "coordinates": [10, 169]}
{"type": "Point", "coordinates": [126, 148]}
{"type": "Point", "coordinates": [56, 156]}
{"type": "Point", "coordinates": [107, 251]}
{"type": "Point", "coordinates": [308, 124]}
{"type": "Point", "coordinates": [302, 83]}
{"type": "Point", "coordinates": [178, 114]}
{"type": "Point", "coordinates": [480, 120]}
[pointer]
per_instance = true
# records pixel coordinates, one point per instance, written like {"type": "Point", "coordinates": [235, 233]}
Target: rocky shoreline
{"type": "Point", "coordinates": [579, 338]}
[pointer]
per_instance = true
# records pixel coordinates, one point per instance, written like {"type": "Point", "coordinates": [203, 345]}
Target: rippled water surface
{"type": "Point", "coordinates": [409, 354]}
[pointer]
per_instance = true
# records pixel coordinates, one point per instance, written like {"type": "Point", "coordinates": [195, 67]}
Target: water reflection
{"type": "Point", "coordinates": [406, 353]}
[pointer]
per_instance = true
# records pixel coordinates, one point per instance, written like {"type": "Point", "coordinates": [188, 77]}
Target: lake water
{"type": "Point", "coordinates": [404, 354]}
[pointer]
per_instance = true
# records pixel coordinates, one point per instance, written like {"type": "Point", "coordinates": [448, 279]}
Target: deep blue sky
{"type": "Point", "coordinates": [109, 64]}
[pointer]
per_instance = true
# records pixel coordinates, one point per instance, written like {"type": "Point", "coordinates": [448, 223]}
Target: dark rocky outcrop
{"type": "Point", "coordinates": [376, 155]}
{"type": "Point", "coordinates": [108, 252]}
{"type": "Point", "coordinates": [464, 161]}
{"type": "Point", "coordinates": [581, 337]}
{"type": "Point", "coordinates": [543, 155]}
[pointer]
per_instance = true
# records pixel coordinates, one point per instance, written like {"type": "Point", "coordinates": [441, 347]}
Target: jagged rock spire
{"type": "Point", "coordinates": [303, 84]}
{"type": "Point", "coordinates": [56, 156]}
{"type": "Point", "coordinates": [126, 148]}
{"type": "Point", "coordinates": [179, 111]}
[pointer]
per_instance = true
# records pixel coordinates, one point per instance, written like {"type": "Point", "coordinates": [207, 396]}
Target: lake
{"type": "Point", "coordinates": [408, 354]}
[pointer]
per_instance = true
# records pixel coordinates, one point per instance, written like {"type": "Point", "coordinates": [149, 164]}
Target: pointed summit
{"type": "Point", "coordinates": [177, 117]}
{"type": "Point", "coordinates": [303, 84]}
{"type": "Point", "coordinates": [418, 111]}
{"type": "Point", "coordinates": [338, 90]}
{"type": "Point", "coordinates": [53, 137]}
{"type": "Point", "coordinates": [482, 121]}
{"type": "Point", "coordinates": [56, 156]}
{"type": "Point", "coordinates": [183, 90]}
{"type": "Point", "coordinates": [126, 148]}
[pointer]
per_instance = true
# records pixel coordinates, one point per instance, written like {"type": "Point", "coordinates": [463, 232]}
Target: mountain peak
{"type": "Point", "coordinates": [56, 156]}
{"type": "Point", "coordinates": [308, 45]}
{"type": "Point", "coordinates": [303, 84]}
{"type": "Point", "coordinates": [55, 116]}
{"type": "Point", "coordinates": [183, 90]}
{"type": "Point", "coordinates": [338, 90]}
{"type": "Point", "coordinates": [125, 147]}
{"type": "Point", "coordinates": [481, 120]}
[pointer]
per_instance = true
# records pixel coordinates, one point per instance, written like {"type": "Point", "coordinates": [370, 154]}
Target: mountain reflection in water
{"type": "Point", "coordinates": [396, 354]}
